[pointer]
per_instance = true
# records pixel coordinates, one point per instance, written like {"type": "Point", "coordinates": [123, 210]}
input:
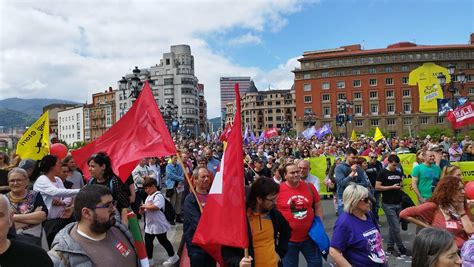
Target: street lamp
{"type": "Point", "coordinates": [342, 118]}
{"type": "Point", "coordinates": [455, 85]}
{"type": "Point", "coordinates": [170, 115]}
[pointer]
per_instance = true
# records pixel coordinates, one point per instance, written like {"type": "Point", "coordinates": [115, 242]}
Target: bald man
{"type": "Point", "coordinates": [14, 253]}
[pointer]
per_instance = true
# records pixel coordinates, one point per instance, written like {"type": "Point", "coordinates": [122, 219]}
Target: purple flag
{"type": "Point", "coordinates": [326, 129]}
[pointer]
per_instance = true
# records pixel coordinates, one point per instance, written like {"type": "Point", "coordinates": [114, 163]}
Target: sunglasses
{"type": "Point", "coordinates": [373, 157]}
{"type": "Point", "coordinates": [366, 199]}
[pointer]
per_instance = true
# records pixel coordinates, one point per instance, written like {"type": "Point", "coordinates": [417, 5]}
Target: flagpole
{"type": "Point", "coordinates": [188, 180]}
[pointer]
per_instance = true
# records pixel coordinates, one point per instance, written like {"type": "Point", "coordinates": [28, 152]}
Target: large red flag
{"type": "Point", "coordinates": [271, 133]}
{"type": "Point", "coordinates": [223, 221]}
{"type": "Point", "coordinates": [140, 133]}
{"type": "Point", "coordinates": [461, 116]}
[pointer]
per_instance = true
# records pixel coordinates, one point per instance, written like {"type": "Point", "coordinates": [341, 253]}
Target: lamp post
{"type": "Point", "coordinates": [342, 118]}
{"type": "Point", "coordinates": [170, 115]}
{"type": "Point", "coordinates": [455, 85]}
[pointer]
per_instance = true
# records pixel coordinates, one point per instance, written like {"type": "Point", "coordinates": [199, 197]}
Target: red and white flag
{"type": "Point", "coordinates": [223, 221]}
{"type": "Point", "coordinates": [140, 133]}
{"type": "Point", "coordinates": [225, 133]}
{"type": "Point", "coordinates": [271, 133]}
{"type": "Point", "coordinates": [461, 116]}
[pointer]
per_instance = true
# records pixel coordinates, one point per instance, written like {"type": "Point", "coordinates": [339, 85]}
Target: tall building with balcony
{"type": "Point", "coordinates": [172, 82]}
{"type": "Point", "coordinates": [265, 109]}
{"type": "Point", "coordinates": [100, 115]}
{"type": "Point", "coordinates": [375, 81]}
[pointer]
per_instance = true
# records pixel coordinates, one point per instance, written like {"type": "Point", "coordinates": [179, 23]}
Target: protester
{"type": "Point", "coordinates": [423, 177]}
{"type": "Point", "coordinates": [468, 152]}
{"type": "Point", "coordinates": [435, 248]}
{"type": "Point", "coordinates": [98, 238]}
{"type": "Point", "coordinates": [259, 170]}
{"type": "Point", "coordinates": [373, 169]}
{"type": "Point", "coordinates": [14, 253]}
{"type": "Point", "coordinates": [156, 224]}
{"type": "Point", "coordinates": [447, 209]}
{"type": "Point", "coordinates": [420, 158]}
{"type": "Point", "coordinates": [75, 176]}
{"type": "Point", "coordinates": [269, 232]}
{"type": "Point", "coordinates": [175, 185]}
{"type": "Point", "coordinates": [277, 173]}
{"type": "Point", "coordinates": [299, 202]}
{"type": "Point", "coordinates": [202, 183]}
{"type": "Point", "coordinates": [4, 160]}
{"type": "Point", "coordinates": [303, 166]}
{"type": "Point", "coordinates": [101, 172]}
{"type": "Point", "coordinates": [402, 149]}
{"type": "Point", "coordinates": [55, 196]}
{"type": "Point", "coordinates": [356, 240]}
{"type": "Point", "coordinates": [140, 174]}
{"type": "Point", "coordinates": [455, 152]}
{"type": "Point", "coordinates": [154, 166]}
{"type": "Point", "coordinates": [349, 172]}
{"type": "Point", "coordinates": [28, 208]}
{"type": "Point", "coordinates": [63, 174]}
{"type": "Point", "coordinates": [389, 183]}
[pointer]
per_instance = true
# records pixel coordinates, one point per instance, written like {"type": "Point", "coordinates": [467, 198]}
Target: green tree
{"type": "Point", "coordinates": [371, 132]}
{"type": "Point", "coordinates": [435, 132]}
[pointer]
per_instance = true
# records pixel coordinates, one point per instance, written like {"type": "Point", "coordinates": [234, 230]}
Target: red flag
{"type": "Point", "coordinates": [225, 134]}
{"type": "Point", "coordinates": [223, 221]}
{"type": "Point", "coordinates": [140, 133]}
{"type": "Point", "coordinates": [271, 133]}
{"type": "Point", "coordinates": [461, 116]}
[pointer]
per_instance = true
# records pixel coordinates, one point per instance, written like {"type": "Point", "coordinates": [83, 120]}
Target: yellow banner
{"type": "Point", "coordinates": [318, 168]}
{"type": "Point", "coordinates": [34, 144]}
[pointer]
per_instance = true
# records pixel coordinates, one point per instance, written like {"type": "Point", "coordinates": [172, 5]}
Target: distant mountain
{"type": "Point", "coordinates": [32, 107]}
{"type": "Point", "coordinates": [216, 123]}
{"type": "Point", "coordinates": [11, 118]}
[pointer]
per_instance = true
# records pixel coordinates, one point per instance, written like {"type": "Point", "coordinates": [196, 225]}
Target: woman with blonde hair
{"type": "Point", "coordinates": [451, 170]}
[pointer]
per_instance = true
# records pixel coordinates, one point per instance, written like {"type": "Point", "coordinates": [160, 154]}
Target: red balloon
{"type": "Point", "coordinates": [469, 189]}
{"type": "Point", "coordinates": [59, 150]}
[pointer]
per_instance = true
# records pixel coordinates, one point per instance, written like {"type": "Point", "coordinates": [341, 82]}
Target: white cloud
{"type": "Point", "coordinates": [247, 38]}
{"type": "Point", "coordinates": [72, 49]}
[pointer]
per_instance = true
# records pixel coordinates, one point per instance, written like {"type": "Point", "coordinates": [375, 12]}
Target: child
{"type": "Point", "coordinates": [156, 224]}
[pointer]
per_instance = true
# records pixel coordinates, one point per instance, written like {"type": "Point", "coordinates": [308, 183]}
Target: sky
{"type": "Point", "coordinates": [70, 49]}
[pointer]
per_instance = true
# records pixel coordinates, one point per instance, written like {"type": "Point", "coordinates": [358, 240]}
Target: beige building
{"type": "Point", "coordinates": [265, 109]}
{"type": "Point", "coordinates": [100, 115]}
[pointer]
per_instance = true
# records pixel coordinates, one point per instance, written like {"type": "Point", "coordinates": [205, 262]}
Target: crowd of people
{"type": "Point", "coordinates": [56, 216]}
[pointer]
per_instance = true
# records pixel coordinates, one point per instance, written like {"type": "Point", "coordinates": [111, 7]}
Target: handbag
{"type": "Point", "coordinates": [32, 235]}
{"type": "Point", "coordinates": [319, 236]}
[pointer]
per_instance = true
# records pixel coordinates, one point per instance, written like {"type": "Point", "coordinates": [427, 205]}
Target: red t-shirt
{"type": "Point", "coordinates": [296, 205]}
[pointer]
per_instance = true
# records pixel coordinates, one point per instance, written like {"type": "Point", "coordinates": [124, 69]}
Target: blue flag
{"type": "Point", "coordinates": [443, 107]}
{"type": "Point", "coordinates": [326, 129]}
{"type": "Point", "coordinates": [246, 135]}
{"type": "Point", "coordinates": [252, 137]}
{"type": "Point", "coordinates": [261, 139]}
{"type": "Point", "coordinates": [462, 101]}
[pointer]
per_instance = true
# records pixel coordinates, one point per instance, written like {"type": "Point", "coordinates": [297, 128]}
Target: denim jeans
{"type": "Point", "coordinates": [340, 206]}
{"type": "Point", "coordinates": [310, 252]}
{"type": "Point", "coordinates": [376, 206]}
{"type": "Point", "coordinates": [392, 212]}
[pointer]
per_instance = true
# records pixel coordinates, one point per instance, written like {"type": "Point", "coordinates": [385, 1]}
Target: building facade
{"type": "Point", "coordinates": [227, 91]}
{"type": "Point", "coordinates": [53, 116]}
{"type": "Point", "coordinates": [71, 125]}
{"type": "Point", "coordinates": [265, 109]}
{"type": "Point", "coordinates": [100, 115]}
{"type": "Point", "coordinates": [375, 84]}
{"type": "Point", "coordinates": [203, 122]}
{"type": "Point", "coordinates": [172, 82]}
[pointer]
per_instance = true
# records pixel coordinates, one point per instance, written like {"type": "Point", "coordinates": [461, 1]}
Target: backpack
{"type": "Point", "coordinates": [168, 209]}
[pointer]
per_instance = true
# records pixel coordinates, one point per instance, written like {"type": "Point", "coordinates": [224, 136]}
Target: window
{"type": "Point", "coordinates": [339, 73]}
{"type": "Point", "coordinates": [358, 109]}
{"type": "Point", "coordinates": [167, 61]}
{"type": "Point", "coordinates": [374, 122]}
{"type": "Point", "coordinates": [373, 82]}
{"type": "Point", "coordinates": [307, 99]}
{"type": "Point", "coordinates": [341, 96]}
{"type": "Point", "coordinates": [168, 81]}
{"type": "Point", "coordinates": [471, 91]}
{"type": "Point", "coordinates": [374, 109]}
{"type": "Point", "coordinates": [404, 80]}
{"type": "Point", "coordinates": [407, 107]}
{"type": "Point", "coordinates": [390, 94]}
{"type": "Point", "coordinates": [373, 94]}
{"type": "Point", "coordinates": [326, 97]}
{"type": "Point", "coordinates": [341, 84]}
{"type": "Point", "coordinates": [325, 85]}
{"type": "Point", "coordinates": [390, 108]}
{"type": "Point", "coordinates": [327, 111]}
{"type": "Point", "coordinates": [359, 123]}
{"type": "Point", "coordinates": [372, 70]}
{"type": "Point", "coordinates": [404, 68]}
{"type": "Point", "coordinates": [406, 121]}
{"type": "Point", "coordinates": [325, 74]}
{"type": "Point", "coordinates": [355, 71]}
{"type": "Point", "coordinates": [390, 121]}
{"type": "Point", "coordinates": [356, 83]}
{"type": "Point", "coordinates": [308, 111]}
{"type": "Point", "coordinates": [440, 120]}
{"type": "Point", "coordinates": [388, 81]}
{"type": "Point", "coordinates": [406, 92]}
{"type": "Point", "coordinates": [306, 76]}
{"type": "Point", "coordinates": [307, 87]}
{"type": "Point", "coordinates": [357, 95]}
{"type": "Point", "coordinates": [423, 120]}
{"type": "Point", "coordinates": [388, 69]}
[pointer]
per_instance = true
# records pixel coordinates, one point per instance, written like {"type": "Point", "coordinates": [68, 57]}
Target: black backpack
{"type": "Point", "coordinates": [168, 209]}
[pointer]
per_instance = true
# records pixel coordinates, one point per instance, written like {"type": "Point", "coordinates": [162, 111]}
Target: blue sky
{"type": "Point", "coordinates": [330, 24]}
{"type": "Point", "coordinates": [78, 48]}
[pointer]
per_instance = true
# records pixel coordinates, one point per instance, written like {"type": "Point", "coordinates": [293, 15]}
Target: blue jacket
{"type": "Point", "coordinates": [174, 173]}
{"type": "Point", "coordinates": [343, 179]}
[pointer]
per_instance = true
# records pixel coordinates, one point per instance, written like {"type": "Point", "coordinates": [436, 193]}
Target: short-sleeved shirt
{"type": "Point", "coordinates": [155, 220]}
{"type": "Point", "coordinates": [389, 178]}
{"type": "Point", "coordinates": [359, 241]}
{"type": "Point", "coordinates": [114, 248]}
{"type": "Point", "coordinates": [296, 205]}
{"type": "Point", "coordinates": [426, 175]}
{"type": "Point", "coordinates": [22, 254]}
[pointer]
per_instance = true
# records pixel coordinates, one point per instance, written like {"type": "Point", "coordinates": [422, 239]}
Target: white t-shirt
{"type": "Point", "coordinates": [155, 220]}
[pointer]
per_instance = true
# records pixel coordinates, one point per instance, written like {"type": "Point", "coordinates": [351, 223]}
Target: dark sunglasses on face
{"type": "Point", "coordinates": [366, 199]}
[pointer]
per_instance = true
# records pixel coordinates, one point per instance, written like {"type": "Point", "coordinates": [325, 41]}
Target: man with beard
{"type": "Point", "coordinates": [98, 238]}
